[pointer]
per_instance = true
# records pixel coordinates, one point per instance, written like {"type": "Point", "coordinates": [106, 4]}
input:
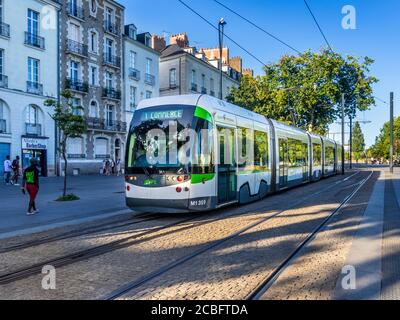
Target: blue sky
{"type": "Point", "coordinates": [376, 36]}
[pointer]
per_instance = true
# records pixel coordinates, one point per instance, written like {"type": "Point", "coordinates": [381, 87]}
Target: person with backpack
{"type": "Point", "coordinates": [15, 167]}
{"type": "Point", "coordinates": [30, 184]}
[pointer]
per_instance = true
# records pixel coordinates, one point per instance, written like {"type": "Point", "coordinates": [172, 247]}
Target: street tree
{"type": "Point", "coordinates": [358, 142]}
{"type": "Point", "coordinates": [381, 148]}
{"type": "Point", "coordinates": [71, 123]}
{"type": "Point", "coordinates": [306, 89]}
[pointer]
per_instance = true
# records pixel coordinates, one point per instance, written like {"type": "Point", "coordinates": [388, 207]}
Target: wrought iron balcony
{"type": "Point", "coordinates": [4, 30]}
{"type": "Point", "coordinates": [111, 60]}
{"type": "Point", "coordinates": [76, 85]}
{"type": "Point", "coordinates": [3, 126]}
{"type": "Point", "coordinates": [34, 88]}
{"type": "Point", "coordinates": [77, 48]}
{"type": "Point", "coordinates": [102, 156]}
{"type": "Point", "coordinates": [105, 125]}
{"type": "Point", "coordinates": [77, 12]}
{"type": "Point", "coordinates": [33, 129]}
{"type": "Point", "coordinates": [76, 156]}
{"type": "Point", "coordinates": [132, 106]}
{"type": "Point", "coordinates": [150, 79]}
{"type": "Point", "coordinates": [111, 93]}
{"type": "Point", "coordinates": [3, 81]}
{"type": "Point", "coordinates": [193, 87]}
{"type": "Point", "coordinates": [111, 27]}
{"type": "Point", "coordinates": [34, 40]}
{"type": "Point", "coordinates": [134, 74]}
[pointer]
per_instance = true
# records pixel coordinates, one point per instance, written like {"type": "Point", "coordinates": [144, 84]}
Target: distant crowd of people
{"type": "Point", "coordinates": [111, 167]}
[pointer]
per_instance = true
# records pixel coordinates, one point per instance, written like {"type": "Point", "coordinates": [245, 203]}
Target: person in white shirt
{"type": "Point", "coordinates": [7, 170]}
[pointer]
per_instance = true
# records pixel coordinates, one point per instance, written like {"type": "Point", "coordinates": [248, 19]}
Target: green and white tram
{"type": "Point", "coordinates": [281, 156]}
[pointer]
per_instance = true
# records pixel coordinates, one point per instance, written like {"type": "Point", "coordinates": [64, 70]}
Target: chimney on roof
{"type": "Point", "coordinates": [248, 71]}
{"type": "Point", "coordinates": [213, 54]}
{"type": "Point", "coordinates": [181, 39]}
{"type": "Point", "coordinates": [158, 43]}
{"type": "Point", "coordinates": [236, 64]}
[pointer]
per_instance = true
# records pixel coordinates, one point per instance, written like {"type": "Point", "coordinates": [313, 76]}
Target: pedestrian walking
{"type": "Point", "coordinates": [16, 167]}
{"type": "Point", "coordinates": [7, 170]}
{"type": "Point", "coordinates": [108, 167]}
{"type": "Point", "coordinates": [30, 184]}
{"type": "Point", "coordinates": [118, 165]}
{"type": "Point", "coordinates": [112, 167]}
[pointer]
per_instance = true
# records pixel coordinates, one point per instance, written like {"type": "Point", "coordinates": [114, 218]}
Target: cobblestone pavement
{"type": "Point", "coordinates": [314, 273]}
{"type": "Point", "coordinates": [229, 270]}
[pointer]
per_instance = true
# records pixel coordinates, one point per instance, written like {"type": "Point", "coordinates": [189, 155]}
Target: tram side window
{"type": "Point", "coordinates": [261, 151]}
{"type": "Point", "coordinates": [329, 156]}
{"type": "Point", "coordinates": [317, 154]}
{"type": "Point", "coordinates": [298, 153]}
{"type": "Point", "coordinates": [245, 143]}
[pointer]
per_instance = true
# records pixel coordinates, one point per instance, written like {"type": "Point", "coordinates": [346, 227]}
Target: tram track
{"type": "Point", "coordinates": [82, 255]}
{"type": "Point", "coordinates": [264, 286]}
{"type": "Point", "coordinates": [120, 292]}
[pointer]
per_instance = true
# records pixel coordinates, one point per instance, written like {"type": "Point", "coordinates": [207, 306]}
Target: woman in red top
{"type": "Point", "coordinates": [30, 184]}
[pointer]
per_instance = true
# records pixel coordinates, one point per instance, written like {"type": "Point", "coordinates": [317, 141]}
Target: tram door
{"type": "Point", "coordinates": [227, 178]}
{"type": "Point", "coordinates": [283, 163]}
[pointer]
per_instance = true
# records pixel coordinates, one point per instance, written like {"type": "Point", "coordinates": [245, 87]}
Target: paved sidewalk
{"type": "Point", "coordinates": [375, 253]}
{"type": "Point", "coordinates": [100, 197]}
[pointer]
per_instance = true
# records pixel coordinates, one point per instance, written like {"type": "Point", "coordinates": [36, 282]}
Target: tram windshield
{"type": "Point", "coordinates": [158, 137]}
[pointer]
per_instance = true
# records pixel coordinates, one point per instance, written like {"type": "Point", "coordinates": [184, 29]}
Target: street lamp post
{"type": "Point", "coordinates": [391, 131]}
{"type": "Point", "coordinates": [221, 25]}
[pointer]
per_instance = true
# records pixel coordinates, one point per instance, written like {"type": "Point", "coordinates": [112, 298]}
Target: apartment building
{"type": "Point", "coordinates": [141, 74]}
{"type": "Point", "coordinates": [185, 69]}
{"type": "Point", "coordinates": [28, 76]}
{"type": "Point", "coordinates": [91, 67]}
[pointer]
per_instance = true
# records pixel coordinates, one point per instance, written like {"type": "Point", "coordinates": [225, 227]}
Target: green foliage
{"type": "Point", "coordinates": [307, 89]}
{"type": "Point", "coordinates": [68, 197]}
{"type": "Point", "coordinates": [358, 142]}
{"type": "Point", "coordinates": [381, 148]}
{"type": "Point", "coordinates": [70, 122]}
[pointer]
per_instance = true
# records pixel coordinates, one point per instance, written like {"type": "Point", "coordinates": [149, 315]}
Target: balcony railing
{"type": "Point", "coordinates": [105, 125]}
{"type": "Point", "coordinates": [111, 60]}
{"type": "Point", "coordinates": [102, 156]}
{"type": "Point", "coordinates": [33, 129]}
{"type": "Point", "coordinates": [34, 40]}
{"type": "Point", "coordinates": [3, 81]}
{"type": "Point", "coordinates": [4, 30]}
{"type": "Point", "coordinates": [76, 85]}
{"type": "Point", "coordinates": [34, 88]}
{"type": "Point", "coordinates": [132, 106]}
{"type": "Point", "coordinates": [203, 90]}
{"type": "Point", "coordinates": [76, 156]}
{"type": "Point", "coordinates": [150, 79]}
{"type": "Point", "coordinates": [111, 93]}
{"type": "Point", "coordinates": [111, 27]}
{"type": "Point", "coordinates": [77, 48]}
{"type": "Point", "coordinates": [134, 74]}
{"type": "Point", "coordinates": [77, 12]}
{"type": "Point", "coordinates": [3, 126]}
{"type": "Point", "coordinates": [193, 87]}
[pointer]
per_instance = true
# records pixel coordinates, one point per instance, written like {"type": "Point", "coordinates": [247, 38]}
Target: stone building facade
{"type": "Point", "coordinates": [91, 67]}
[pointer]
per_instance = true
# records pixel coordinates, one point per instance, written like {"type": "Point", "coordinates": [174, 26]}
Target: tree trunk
{"type": "Point", "coordinates": [65, 169]}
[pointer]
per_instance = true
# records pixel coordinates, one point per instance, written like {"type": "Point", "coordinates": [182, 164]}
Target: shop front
{"type": "Point", "coordinates": [35, 148]}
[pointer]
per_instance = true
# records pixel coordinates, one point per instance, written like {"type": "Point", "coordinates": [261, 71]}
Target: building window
{"type": "Point", "coordinates": [193, 79]}
{"type": "Point", "coordinates": [212, 84]}
{"type": "Point", "coordinates": [33, 70]}
{"type": "Point", "coordinates": [109, 81]}
{"type": "Point", "coordinates": [93, 7]}
{"type": "Point", "coordinates": [74, 71]}
{"type": "Point", "coordinates": [32, 115]}
{"type": "Point", "coordinates": [132, 97]}
{"type": "Point", "coordinates": [148, 94]}
{"type": "Point", "coordinates": [1, 61]}
{"type": "Point", "coordinates": [109, 16]}
{"type": "Point", "coordinates": [132, 59]}
{"type": "Point", "coordinates": [1, 10]}
{"type": "Point", "coordinates": [110, 115]}
{"type": "Point", "coordinates": [76, 106]}
{"type": "Point", "coordinates": [93, 76]}
{"type": "Point", "coordinates": [203, 80]}
{"type": "Point", "coordinates": [109, 49]}
{"type": "Point", "coordinates": [75, 32]}
{"type": "Point", "coordinates": [75, 147]}
{"type": "Point", "coordinates": [93, 42]}
{"type": "Point", "coordinates": [132, 32]}
{"type": "Point", "coordinates": [172, 78]}
{"type": "Point", "coordinates": [93, 110]}
{"type": "Point", "coordinates": [33, 22]}
{"type": "Point", "coordinates": [148, 65]}
{"type": "Point", "coordinates": [101, 147]}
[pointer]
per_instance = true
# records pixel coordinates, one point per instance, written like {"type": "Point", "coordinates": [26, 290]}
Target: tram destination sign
{"type": "Point", "coordinates": [162, 115]}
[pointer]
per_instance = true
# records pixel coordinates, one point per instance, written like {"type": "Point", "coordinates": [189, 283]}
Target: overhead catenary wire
{"type": "Point", "coordinates": [318, 25]}
{"type": "Point", "coordinates": [228, 37]}
{"type": "Point", "coordinates": [258, 27]}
